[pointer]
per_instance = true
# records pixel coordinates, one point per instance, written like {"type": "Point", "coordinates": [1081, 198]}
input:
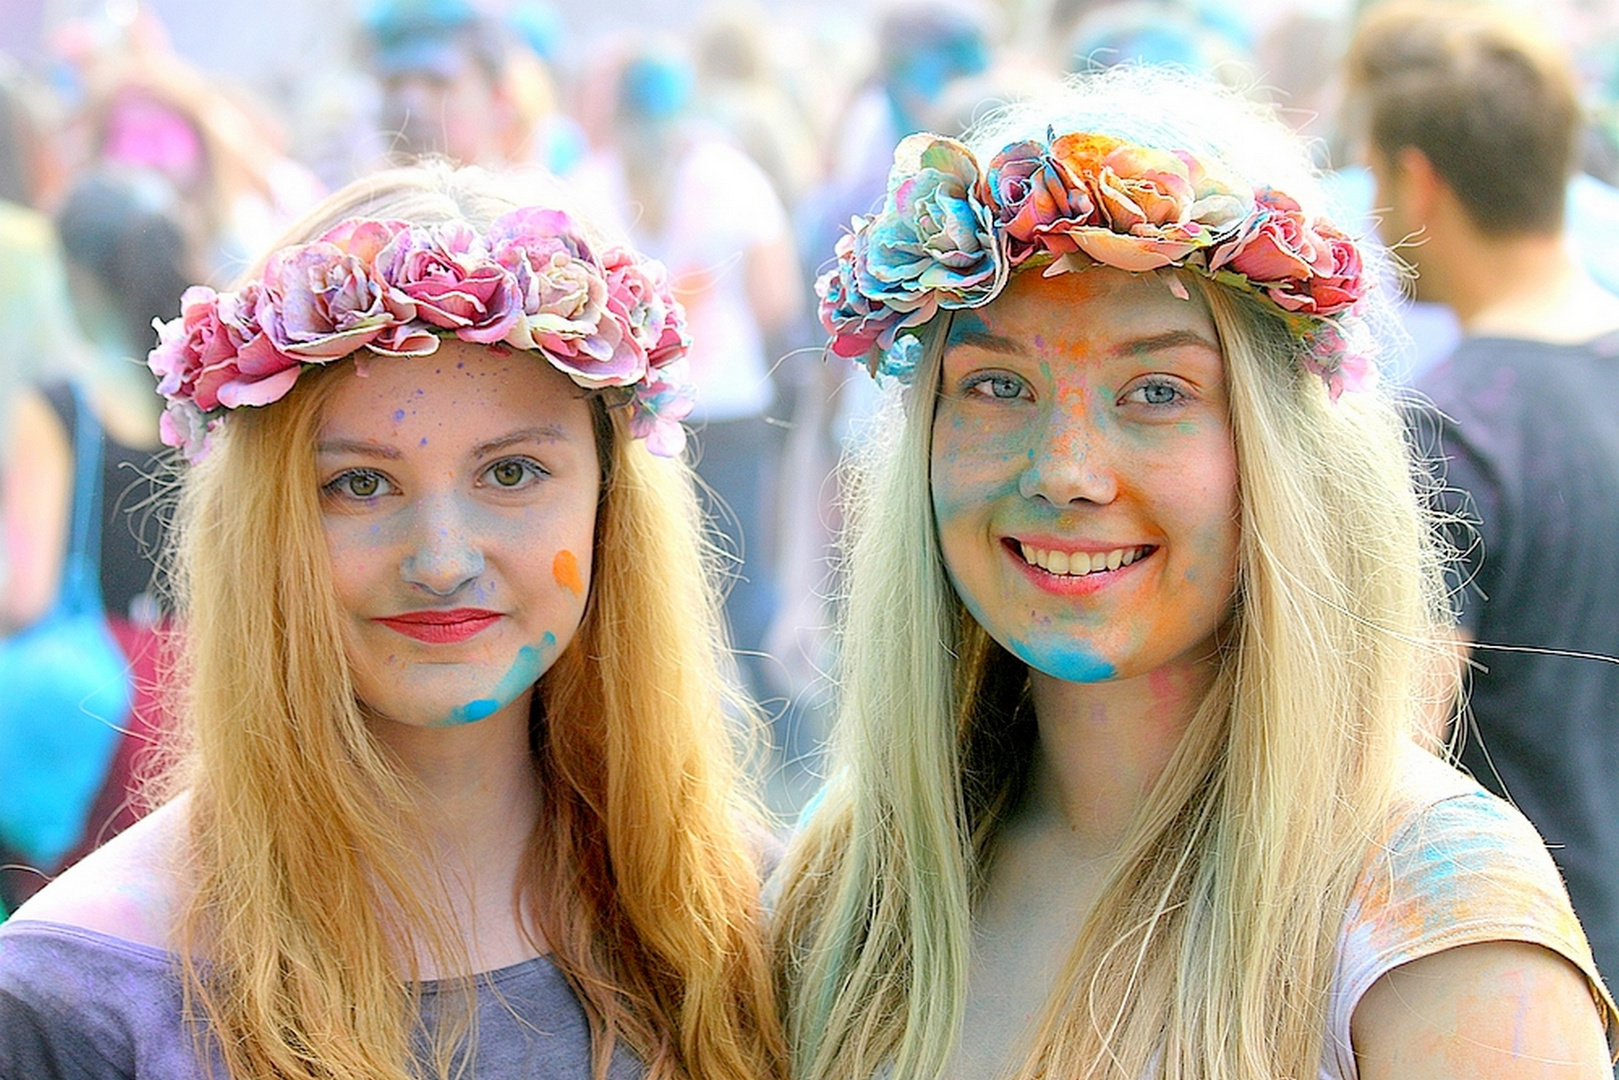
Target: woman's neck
{"type": "Point", "coordinates": [1102, 747]}
{"type": "Point", "coordinates": [479, 802]}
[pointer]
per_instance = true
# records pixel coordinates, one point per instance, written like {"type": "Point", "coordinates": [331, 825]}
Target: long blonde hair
{"type": "Point", "coordinates": [305, 912]}
{"type": "Point", "coordinates": [1211, 947]}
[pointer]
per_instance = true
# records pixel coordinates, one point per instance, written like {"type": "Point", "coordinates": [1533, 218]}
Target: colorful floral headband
{"type": "Point", "coordinates": [949, 234]}
{"type": "Point", "coordinates": [531, 282]}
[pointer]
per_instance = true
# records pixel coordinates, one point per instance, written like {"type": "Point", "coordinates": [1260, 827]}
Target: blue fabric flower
{"type": "Point", "coordinates": [933, 244]}
{"type": "Point", "coordinates": [900, 360]}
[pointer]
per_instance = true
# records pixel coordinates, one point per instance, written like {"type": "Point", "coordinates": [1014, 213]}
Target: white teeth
{"type": "Point", "coordinates": [1078, 563]}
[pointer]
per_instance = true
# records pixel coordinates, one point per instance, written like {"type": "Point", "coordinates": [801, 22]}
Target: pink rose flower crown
{"type": "Point", "coordinates": [950, 232]}
{"type": "Point", "coordinates": [530, 281]}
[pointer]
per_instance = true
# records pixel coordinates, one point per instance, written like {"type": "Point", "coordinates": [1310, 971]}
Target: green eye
{"type": "Point", "coordinates": [509, 473]}
{"type": "Point", "coordinates": [359, 484]}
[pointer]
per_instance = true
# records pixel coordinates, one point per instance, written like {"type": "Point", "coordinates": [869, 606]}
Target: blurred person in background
{"type": "Point", "coordinates": [746, 92]}
{"type": "Point", "coordinates": [557, 141]}
{"type": "Point", "coordinates": [922, 47]}
{"type": "Point", "coordinates": [235, 187]}
{"type": "Point", "coordinates": [699, 204]}
{"type": "Point", "coordinates": [40, 337]}
{"type": "Point", "coordinates": [128, 259]}
{"type": "Point", "coordinates": [1206, 38]}
{"type": "Point", "coordinates": [926, 51]}
{"type": "Point", "coordinates": [743, 92]}
{"type": "Point", "coordinates": [1471, 121]}
{"type": "Point", "coordinates": [460, 83]}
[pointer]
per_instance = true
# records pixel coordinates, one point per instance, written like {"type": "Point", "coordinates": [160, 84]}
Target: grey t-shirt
{"type": "Point", "coordinates": [80, 1005]}
{"type": "Point", "coordinates": [1528, 438]}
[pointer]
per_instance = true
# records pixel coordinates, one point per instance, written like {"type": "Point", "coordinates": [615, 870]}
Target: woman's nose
{"type": "Point", "coordinates": [444, 555]}
{"type": "Point", "coordinates": [1070, 461]}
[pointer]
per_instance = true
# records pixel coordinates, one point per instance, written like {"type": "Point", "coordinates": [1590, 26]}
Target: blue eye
{"type": "Point", "coordinates": [511, 473]}
{"type": "Point", "coordinates": [360, 484]}
{"type": "Point", "coordinates": [1159, 392]}
{"type": "Point", "coordinates": [996, 384]}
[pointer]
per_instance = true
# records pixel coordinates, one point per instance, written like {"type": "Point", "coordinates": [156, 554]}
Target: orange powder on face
{"type": "Point", "coordinates": [565, 568]}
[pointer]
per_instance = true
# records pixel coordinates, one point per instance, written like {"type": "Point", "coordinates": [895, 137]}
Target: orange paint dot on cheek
{"type": "Point", "coordinates": [565, 568]}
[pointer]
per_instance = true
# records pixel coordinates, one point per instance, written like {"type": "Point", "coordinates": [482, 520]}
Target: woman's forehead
{"type": "Point", "coordinates": [461, 385]}
{"type": "Point", "coordinates": [1099, 305]}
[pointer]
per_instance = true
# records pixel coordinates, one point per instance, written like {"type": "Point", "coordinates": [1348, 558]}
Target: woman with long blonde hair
{"type": "Point", "coordinates": [1141, 628]}
{"type": "Point", "coordinates": [457, 794]}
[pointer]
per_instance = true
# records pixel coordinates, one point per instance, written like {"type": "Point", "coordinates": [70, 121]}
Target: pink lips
{"type": "Point", "coordinates": [442, 627]}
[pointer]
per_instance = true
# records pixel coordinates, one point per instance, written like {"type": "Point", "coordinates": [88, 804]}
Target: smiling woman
{"type": "Point", "coordinates": [458, 796]}
{"type": "Point", "coordinates": [1103, 388]}
{"type": "Point", "coordinates": [1143, 619]}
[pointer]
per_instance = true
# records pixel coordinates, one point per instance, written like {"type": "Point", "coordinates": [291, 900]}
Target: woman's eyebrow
{"type": "Point", "coordinates": [1172, 339]}
{"type": "Point", "coordinates": [544, 434]}
{"type": "Point", "coordinates": [358, 447]}
{"type": "Point", "coordinates": [982, 339]}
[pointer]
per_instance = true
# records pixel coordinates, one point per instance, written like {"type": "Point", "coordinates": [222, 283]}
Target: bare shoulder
{"type": "Point", "coordinates": [1496, 1009]}
{"type": "Point", "coordinates": [129, 888]}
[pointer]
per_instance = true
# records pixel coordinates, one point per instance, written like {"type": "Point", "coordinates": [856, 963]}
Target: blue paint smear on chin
{"type": "Point", "coordinates": [1070, 661]}
{"type": "Point", "coordinates": [531, 662]}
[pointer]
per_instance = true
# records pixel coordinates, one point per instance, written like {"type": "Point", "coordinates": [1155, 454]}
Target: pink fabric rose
{"type": "Point", "coordinates": [319, 303]}
{"type": "Point", "coordinates": [639, 296]}
{"type": "Point", "coordinates": [1341, 284]}
{"type": "Point", "coordinates": [1033, 196]}
{"type": "Point", "coordinates": [453, 286]}
{"type": "Point", "coordinates": [1303, 266]}
{"type": "Point", "coordinates": [214, 354]}
{"type": "Point", "coordinates": [184, 341]}
{"type": "Point", "coordinates": [564, 299]}
{"type": "Point", "coordinates": [675, 341]}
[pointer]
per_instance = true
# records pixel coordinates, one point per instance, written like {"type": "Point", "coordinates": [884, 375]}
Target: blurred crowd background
{"type": "Point", "coordinates": [147, 145]}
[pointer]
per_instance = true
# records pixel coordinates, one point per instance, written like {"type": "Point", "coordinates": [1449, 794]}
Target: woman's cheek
{"type": "Point", "coordinates": [971, 469]}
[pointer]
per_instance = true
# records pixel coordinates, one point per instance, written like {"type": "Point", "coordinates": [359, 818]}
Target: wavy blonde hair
{"type": "Point", "coordinates": [1211, 947]}
{"type": "Point", "coordinates": [305, 912]}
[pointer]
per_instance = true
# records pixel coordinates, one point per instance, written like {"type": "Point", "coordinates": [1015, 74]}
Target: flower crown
{"type": "Point", "coordinates": [949, 234]}
{"type": "Point", "coordinates": [531, 281]}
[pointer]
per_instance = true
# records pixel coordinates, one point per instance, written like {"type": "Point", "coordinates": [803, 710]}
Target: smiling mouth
{"type": "Point", "coordinates": [1080, 563]}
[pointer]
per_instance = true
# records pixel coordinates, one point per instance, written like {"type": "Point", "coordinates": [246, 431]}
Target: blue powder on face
{"type": "Point", "coordinates": [1070, 661]}
{"type": "Point", "coordinates": [399, 415]}
{"type": "Point", "coordinates": [524, 672]}
{"type": "Point", "coordinates": [964, 325]}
